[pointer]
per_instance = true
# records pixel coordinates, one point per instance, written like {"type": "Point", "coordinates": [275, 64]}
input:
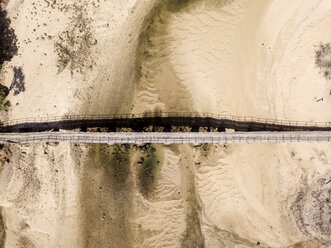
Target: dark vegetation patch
{"type": "Point", "coordinates": [75, 43]}
{"type": "Point", "coordinates": [2, 231]}
{"type": "Point", "coordinates": [8, 49]}
{"type": "Point", "coordinates": [106, 196]}
{"type": "Point", "coordinates": [8, 39]}
{"type": "Point", "coordinates": [323, 59]}
{"type": "Point", "coordinates": [5, 154]}
{"type": "Point", "coordinates": [178, 5]}
{"type": "Point", "coordinates": [4, 104]}
{"type": "Point", "coordinates": [148, 163]}
{"type": "Point", "coordinates": [205, 149]}
{"type": "Point", "coordinates": [115, 161]}
{"type": "Point", "coordinates": [193, 236]}
{"type": "Point", "coordinates": [26, 242]}
{"type": "Point", "coordinates": [119, 168]}
{"type": "Point", "coordinates": [312, 212]}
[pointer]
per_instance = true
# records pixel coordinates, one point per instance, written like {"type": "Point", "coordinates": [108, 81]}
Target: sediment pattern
{"type": "Point", "coordinates": [312, 211]}
{"type": "Point", "coordinates": [159, 87]}
{"type": "Point", "coordinates": [2, 231]}
{"type": "Point", "coordinates": [161, 217]}
{"type": "Point", "coordinates": [106, 197]}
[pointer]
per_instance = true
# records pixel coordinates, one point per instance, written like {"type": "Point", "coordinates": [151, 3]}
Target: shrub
{"type": "Point", "coordinates": [4, 104]}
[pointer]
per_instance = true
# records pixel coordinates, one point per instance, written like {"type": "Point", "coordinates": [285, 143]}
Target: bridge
{"type": "Point", "coordinates": [165, 138]}
{"type": "Point", "coordinates": [247, 129]}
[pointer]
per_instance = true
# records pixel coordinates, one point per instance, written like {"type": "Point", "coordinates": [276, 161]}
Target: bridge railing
{"type": "Point", "coordinates": [138, 138]}
{"type": "Point", "coordinates": [11, 122]}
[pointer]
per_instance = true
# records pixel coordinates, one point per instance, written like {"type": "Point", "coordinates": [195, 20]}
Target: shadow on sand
{"type": "Point", "coordinates": [163, 124]}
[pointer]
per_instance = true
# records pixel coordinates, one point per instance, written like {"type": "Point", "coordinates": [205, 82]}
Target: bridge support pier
{"type": "Point", "coordinates": [195, 129]}
{"type": "Point", "coordinates": [167, 129]}
{"type": "Point", "coordinates": [221, 129]}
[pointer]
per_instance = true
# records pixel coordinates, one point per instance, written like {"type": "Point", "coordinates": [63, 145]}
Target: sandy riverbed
{"type": "Point", "coordinates": [233, 57]}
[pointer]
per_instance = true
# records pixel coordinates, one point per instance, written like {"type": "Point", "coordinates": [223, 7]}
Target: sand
{"type": "Point", "coordinates": [235, 57]}
{"type": "Point", "coordinates": [39, 197]}
{"type": "Point", "coordinates": [244, 53]}
{"type": "Point", "coordinates": [222, 192]}
{"type": "Point", "coordinates": [250, 190]}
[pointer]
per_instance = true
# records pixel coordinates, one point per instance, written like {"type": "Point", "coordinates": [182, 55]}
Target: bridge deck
{"type": "Point", "coordinates": [165, 138]}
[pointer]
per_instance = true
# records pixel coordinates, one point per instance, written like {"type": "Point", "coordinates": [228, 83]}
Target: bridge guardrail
{"type": "Point", "coordinates": [112, 138]}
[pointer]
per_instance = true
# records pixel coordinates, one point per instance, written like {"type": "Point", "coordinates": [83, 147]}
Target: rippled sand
{"type": "Point", "coordinates": [250, 190]}
{"type": "Point", "coordinates": [239, 58]}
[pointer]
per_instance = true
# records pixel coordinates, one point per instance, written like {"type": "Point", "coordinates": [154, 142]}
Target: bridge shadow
{"type": "Point", "coordinates": [164, 124]}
